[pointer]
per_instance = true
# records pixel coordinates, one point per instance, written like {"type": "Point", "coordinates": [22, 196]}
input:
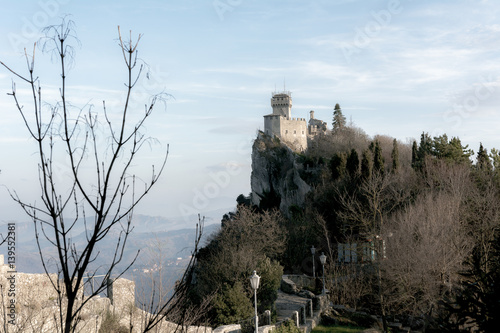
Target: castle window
{"type": "Point", "coordinates": [294, 132]}
{"type": "Point", "coordinates": [286, 132]}
{"type": "Point", "coordinates": [302, 132]}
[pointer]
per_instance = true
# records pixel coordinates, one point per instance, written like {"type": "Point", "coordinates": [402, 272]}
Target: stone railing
{"type": "Point", "coordinates": [303, 308]}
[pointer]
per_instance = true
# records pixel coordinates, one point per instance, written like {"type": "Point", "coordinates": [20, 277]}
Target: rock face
{"type": "Point", "coordinates": [275, 174]}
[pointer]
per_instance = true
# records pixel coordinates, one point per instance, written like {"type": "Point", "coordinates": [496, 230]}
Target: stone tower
{"type": "Point", "coordinates": [292, 131]}
{"type": "Point", "coordinates": [282, 104]}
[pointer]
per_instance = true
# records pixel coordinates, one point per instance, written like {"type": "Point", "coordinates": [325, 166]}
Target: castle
{"type": "Point", "coordinates": [295, 132]}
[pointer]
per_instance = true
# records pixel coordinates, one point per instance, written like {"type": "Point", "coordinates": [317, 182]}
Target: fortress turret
{"type": "Point", "coordinates": [282, 104]}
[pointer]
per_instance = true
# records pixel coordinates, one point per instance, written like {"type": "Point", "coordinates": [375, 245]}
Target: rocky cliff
{"type": "Point", "coordinates": [275, 174]}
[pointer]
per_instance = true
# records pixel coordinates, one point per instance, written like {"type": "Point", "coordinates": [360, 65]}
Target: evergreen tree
{"type": "Point", "coordinates": [414, 155]}
{"type": "Point", "coordinates": [483, 160]}
{"type": "Point", "coordinates": [352, 164]}
{"type": "Point", "coordinates": [478, 302]}
{"type": "Point", "coordinates": [495, 157]}
{"type": "Point", "coordinates": [366, 165]}
{"type": "Point", "coordinates": [371, 147]}
{"type": "Point", "coordinates": [232, 304]}
{"type": "Point", "coordinates": [395, 156]}
{"type": "Point", "coordinates": [424, 149]}
{"type": "Point", "coordinates": [378, 160]}
{"type": "Point", "coordinates": [450, 150]}
{"type": "Point", "coordinates": [338, 165]}
{"type": "Point", "coordinates": [339, 120]}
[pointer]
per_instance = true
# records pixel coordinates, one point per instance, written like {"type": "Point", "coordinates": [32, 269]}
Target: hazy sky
{"type": "Point", "coordinates": [396, 67]}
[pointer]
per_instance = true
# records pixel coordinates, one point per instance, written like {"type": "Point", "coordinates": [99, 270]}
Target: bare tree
{"type": "Point", "coordinates": [367, 212]}
{"type": "Point", "coordinates": [174, 307]}
{"type": "Point", "coordinates": [425, 253]}
{"type": "Point", "coordinates": [101, 190]}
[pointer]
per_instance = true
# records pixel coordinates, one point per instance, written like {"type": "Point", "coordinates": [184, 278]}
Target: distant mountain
{"type": "Point", "coordinates": [156, 238]}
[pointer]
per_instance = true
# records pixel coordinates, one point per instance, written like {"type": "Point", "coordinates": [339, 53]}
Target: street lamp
{"type": "Point", "coordinates": [254, 282]}
{"type": "Point", "coordinates": [313, 251]}
{"type": "Point", "coordinates": [322, 258]}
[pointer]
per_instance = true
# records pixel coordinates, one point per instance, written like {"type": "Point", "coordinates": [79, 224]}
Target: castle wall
{"type": "Point", "coordinates": [272, 125]}
{"type": "Point", "coordinates": [294, 131]}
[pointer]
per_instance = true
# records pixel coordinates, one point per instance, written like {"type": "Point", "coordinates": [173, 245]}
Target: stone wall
{"type": "Point", "coordinates": [294, 133]}
{"type": "Point", "coordinates": [123, 292]}
{"type": "Point", "coordinates": [302, 281]}
{"type": "Point", "coordinates": [36, 307]}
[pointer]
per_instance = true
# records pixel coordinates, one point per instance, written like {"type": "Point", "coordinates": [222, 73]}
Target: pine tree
{"type": "Point", "coordinates": [395, 156]}
{"type": "Point", "coordinates": [339, 120]}
{"type": "Point", "coordinates": [483, 160]}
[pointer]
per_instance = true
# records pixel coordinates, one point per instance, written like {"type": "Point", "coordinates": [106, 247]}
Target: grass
{"type": "Point", "coordinates": [336, 329]}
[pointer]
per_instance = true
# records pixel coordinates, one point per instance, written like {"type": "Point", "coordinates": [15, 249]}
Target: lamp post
{"type": "Point", "coordinates": [322, 258]}
{"type": "Point", "coordinates": [254, 282]}
{"type": "Point", "coordinates": [313, 251]}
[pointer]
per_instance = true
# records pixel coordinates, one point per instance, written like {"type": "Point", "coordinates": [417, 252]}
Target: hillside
{"type": "Point", "coordinates": [410, 230]}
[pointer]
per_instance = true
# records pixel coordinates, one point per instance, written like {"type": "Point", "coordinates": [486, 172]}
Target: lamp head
{"type": "Point", "coordinates": [313, 250]}
{"type": "Point", "coordinates": [254, 280]}
{"type": "Point", "coordinates": [322, 258]}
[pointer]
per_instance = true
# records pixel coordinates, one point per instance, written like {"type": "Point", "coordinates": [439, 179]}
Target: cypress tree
{"type": "Point", "coordinates": [414, 155]}
{"type": "Point", "coordinates": [338, 165]}
{"type": "Point", "coordinates": [352, 164]}
{"type": "Point", "coordinates": [395, 156]}
{"type": "Point", "coordinates": [378, 160]}
{"type": "Point", "coordinates": [366, 165]}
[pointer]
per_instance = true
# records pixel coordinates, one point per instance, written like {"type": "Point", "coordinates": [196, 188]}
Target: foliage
{"type": "Point", "coordinates": [287, 327]}
{"type": "Point", "coordinates": [249, 241]}
{"type": "Point", "coordinates": [270, 272]}
{"type": "Point", "coordinates": [111, 323]}
{"type": "Point", "coordinates": [441, 148]}
{"type": "Point", "coordinates": [232, 304]}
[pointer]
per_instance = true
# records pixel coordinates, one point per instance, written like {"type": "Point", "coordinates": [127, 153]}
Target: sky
{"type": "Point", "coordinates": [396, 67]}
